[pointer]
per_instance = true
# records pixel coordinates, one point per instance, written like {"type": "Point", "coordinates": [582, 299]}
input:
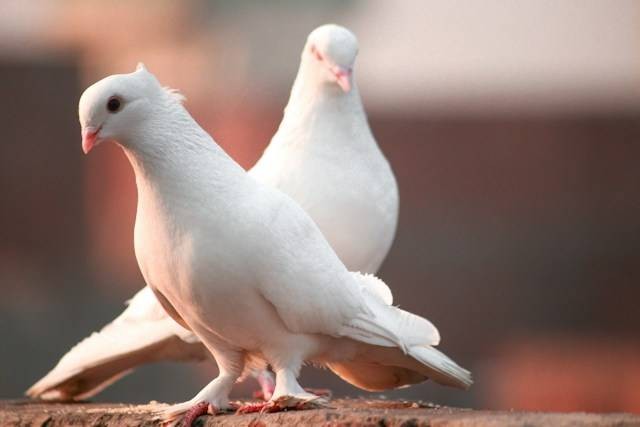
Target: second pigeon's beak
{"type": "Point", "coordinates": [343, 77]}
{"type": "Point", "coordinates": [89, 138]}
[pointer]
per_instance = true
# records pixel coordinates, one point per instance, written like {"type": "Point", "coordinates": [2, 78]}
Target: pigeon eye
{"type": "Point", "coordinates": [114, 104]}
{"type": "Point", "coordinates": [316, 53]}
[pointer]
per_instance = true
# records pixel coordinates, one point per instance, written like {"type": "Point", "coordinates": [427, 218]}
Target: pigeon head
{"type": "Point", "coordinates": [113, 107]}
{"type": "Point", "coordinates": [332, 51]}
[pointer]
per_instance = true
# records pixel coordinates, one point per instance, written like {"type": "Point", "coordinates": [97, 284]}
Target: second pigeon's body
{"type": "Point", "coordinates": [325, 157]}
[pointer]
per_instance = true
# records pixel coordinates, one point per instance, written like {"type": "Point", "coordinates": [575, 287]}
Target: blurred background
{"type": "Point", "coordinates": [513, 128]}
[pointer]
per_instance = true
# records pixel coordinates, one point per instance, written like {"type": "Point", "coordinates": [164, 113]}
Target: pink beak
{"type": "Point", "coordinates": [89, 137]}
{"type": "Point", "coordinates": [343, 78]}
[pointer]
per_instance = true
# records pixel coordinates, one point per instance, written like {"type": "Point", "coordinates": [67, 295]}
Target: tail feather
{"type": "Point", "coordinates": [442, 369]}
{"type": "Point", "coordinates": [376, 368]}
{"type": "Point", "coordinates": [388, 326]}
{"type": "Point", "coordinates": [375, 286]}
{"type": "Point", "coordinates": [375, 377]}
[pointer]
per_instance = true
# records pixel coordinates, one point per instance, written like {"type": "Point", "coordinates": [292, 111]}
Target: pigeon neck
{"type": "Point", "coordinates": [171, 152]}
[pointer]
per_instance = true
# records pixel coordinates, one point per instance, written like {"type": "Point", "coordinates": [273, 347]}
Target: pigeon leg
{"type": "Point", "coordinates": [288, 395]}
{"type": "Point", "coordinates": [287, 386]}
{"type": "Point", "coordinates": [215, 396]}
{"type": "Point", "coordinates": [267, 384]}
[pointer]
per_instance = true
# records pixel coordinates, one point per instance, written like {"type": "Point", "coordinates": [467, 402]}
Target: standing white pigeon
{"type": "Point", "coordinates": [243, 266]}
{"type": "Point", "coordinates": [323, 156]}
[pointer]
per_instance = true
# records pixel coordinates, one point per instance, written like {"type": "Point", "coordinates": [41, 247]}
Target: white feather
{"type": "Point", "coordinates": [323, 156]}
{"type": "Point", "coordinates": [194, 200]}
{"type": "Point", "coordinates": [143, 333]}
{"type": "Point", "coordinates": [238, 261]}
{"type": "Point", "coordinates": [442, 369]}
{"type": "Point", "coordinates": [176, 94]}
{"type": "Point", "coordinates": [375, 286]}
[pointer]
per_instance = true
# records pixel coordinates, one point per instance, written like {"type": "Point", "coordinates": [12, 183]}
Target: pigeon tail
{"type": "Point", "coordinates": [388, 326]}
{"type": "Point", "coordinates": [375, 286]}
{"type": "Point", "coordinates": [376, 368]}
{"type": "Point", "coordinates": [442, 369]}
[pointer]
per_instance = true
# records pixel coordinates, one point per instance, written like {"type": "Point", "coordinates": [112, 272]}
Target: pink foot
{"type": "Point", "coordinates": [252, 408]}
{"type": "Point", "coordinates": [192, 414]}
{"type": "Point", "coordinates": [267, 385]}
{"type": "Point", "coordinates": [281, 404]}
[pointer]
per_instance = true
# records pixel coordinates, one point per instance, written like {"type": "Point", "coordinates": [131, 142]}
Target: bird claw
{"type": "Point", "coordinates": [282, 403]}
{"type": "Point", "coordinates": [250, 408]}
{"type": "Point", "coordinates": [184, 414]}
{"type": "Point", "coordinates": [194, 412]}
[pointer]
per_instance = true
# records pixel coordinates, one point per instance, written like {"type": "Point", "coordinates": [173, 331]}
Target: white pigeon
{"type": "Point", "coordinates": [244, 267]}
{"type": "Point", "coordinates": [323, 156]}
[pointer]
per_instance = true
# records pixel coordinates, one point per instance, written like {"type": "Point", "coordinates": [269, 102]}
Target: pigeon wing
{"type": "Point", "coordinates": [143, 333]}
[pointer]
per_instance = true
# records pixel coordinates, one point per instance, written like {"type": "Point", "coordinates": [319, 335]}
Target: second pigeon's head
{"type": "Point", "coordinates": [331, 51]}
{"type": "Point", "coordinates": [114, 107]}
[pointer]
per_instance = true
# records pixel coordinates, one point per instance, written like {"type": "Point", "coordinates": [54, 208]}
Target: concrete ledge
{"type": "Point", "coordinates": [344, 412]}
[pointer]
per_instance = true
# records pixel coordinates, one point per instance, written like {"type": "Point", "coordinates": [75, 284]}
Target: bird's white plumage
{"type": "Point", "coordinates": [213, 242]}
{"type": "Point", "coordinates": [375, 286]}
{"type": "Point", "coordinates": [142, 333]}
{"type": "Point", "coordinates": [324, 157]}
